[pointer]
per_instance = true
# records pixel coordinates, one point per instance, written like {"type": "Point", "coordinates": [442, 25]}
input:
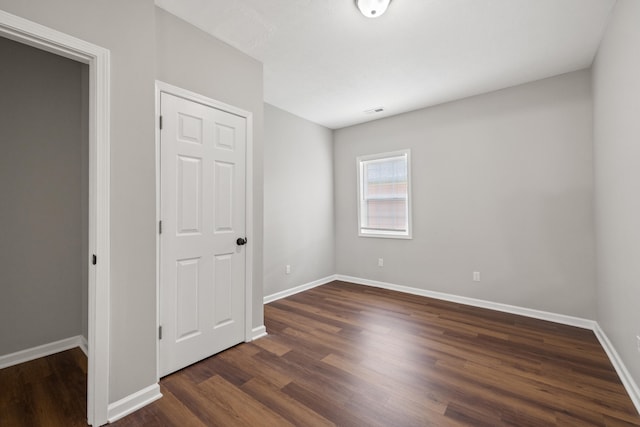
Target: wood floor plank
{"type": "Point", "coordinates": [209, 412]}
{"type": "Point", "coordinates": [273, 346]}
{"type": "Point", "coordinates": [327, 406]}
{"type": "Point", "coordinates": [240, 408]}
{"type": "Point", "coordinates": [428, 401]}
{"type": "Point", "coordinates": [174, 412]}
{"type": "Point", "coordinates": [286, 406]}
{"type": "Point", "coordinates": [49, 391]}
{"type": "Point", "coordinates": [240, 358]}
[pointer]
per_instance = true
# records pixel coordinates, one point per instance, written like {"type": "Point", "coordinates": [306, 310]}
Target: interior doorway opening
{"type": "Point", "coordinates": [44, 218]}
{"type": "Point", "coordinates": [98, 60]}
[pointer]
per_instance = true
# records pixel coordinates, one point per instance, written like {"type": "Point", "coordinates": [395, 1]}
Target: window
{"type": "Point", "coordinates": [384, 208]}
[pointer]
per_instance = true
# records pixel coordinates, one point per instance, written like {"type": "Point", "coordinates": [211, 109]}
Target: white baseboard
{"type": "Point", "coordinates": [133, 402]}
{"type": "Point", "coordinates": [624, 375]}
{"type": "Point", "coordinates": [41, 351]}
{"type": "Point", "coordinates": [522, 311]}
{"type": "Point", "coordinates": [84, 345]}
{"type": "Point", "coordinates": [288, 292]}
{"type": "Point", "coordinates": [259, 332]}
{"type": "Point", "coordinates": [626, 378]}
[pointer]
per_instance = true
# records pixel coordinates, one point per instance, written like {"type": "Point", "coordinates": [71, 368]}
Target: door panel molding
{"type": "Point", "coordinates": [30, 33]}
{"type": "Point", "coordinates": [192, 134]}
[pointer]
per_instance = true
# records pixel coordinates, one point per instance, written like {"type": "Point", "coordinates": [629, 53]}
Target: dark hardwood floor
{"type": "Point", "coordinates": [51, 391]}
{"type": "Point", "coordinates": [349, 355]}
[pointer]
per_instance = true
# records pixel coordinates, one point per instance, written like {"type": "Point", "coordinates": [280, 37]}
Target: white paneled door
{"type": "Point", "coordinates": [202, 252]}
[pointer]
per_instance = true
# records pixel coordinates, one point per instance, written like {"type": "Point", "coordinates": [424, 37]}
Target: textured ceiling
{"type": "Point", "coordinates": [327, 63]}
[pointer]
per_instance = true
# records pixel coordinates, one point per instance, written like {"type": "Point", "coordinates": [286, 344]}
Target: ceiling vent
{"type": "Point", "coordinates": [374, 110]}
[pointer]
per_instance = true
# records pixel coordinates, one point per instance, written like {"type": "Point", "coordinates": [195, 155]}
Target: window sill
{"type": "Point", "coordinates": [382, 235]}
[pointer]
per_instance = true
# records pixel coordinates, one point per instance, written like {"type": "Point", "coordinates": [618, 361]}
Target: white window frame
{"type": "Point", "coordinates": [388, 234]}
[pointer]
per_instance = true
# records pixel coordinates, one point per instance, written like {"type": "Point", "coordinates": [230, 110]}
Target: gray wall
{"type": "Point", "coordinates": [298, 201]}
{"type": "Point", "coordinates": [616, 86]}
{"type": "Point", "coordinates": [502, 184]}
{"type": "Point", "coordinates": [126, 28]}
{"type": "Point", "coordinates": [43, 203]}
{"type": "Point", "coordinates": [191, 59]}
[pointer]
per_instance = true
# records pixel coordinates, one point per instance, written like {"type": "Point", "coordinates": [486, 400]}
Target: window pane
{"type": "Point", "coordinates": [387, 214]}
{"type": "Point", "coordinates": [386, 179]}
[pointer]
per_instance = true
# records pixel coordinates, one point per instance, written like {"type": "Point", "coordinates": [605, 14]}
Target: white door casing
{"type": "Point", "coordinates": [203, 213]}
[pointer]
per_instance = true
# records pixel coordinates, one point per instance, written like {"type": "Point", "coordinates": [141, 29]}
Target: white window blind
{"type": "Point", "coordinates": [383, 191]}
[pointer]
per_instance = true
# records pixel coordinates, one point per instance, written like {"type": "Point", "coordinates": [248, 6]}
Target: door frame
{"type": "Point", "coordinates": [30, 33]}
{"type": "Point", "coordinates": [162, 87]}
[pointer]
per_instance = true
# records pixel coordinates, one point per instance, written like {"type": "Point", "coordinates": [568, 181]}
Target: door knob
{"type": "Point", "coordinates": [241, 241]}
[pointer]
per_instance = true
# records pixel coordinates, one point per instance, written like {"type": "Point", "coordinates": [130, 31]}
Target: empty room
{"type": "Point", "coordinates": [315, 213]}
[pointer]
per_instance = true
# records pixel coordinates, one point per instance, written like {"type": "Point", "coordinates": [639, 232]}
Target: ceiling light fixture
{"type": "Point", "coordinates": [372, 8]}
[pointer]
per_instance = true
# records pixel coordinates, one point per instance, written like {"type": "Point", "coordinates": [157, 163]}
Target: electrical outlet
{"type": "Point", "coordinates": [476, 276]}
{"type": "Point", "coordinates": [380, 262]}
{"type": "Point", "coordinates": [287, 269]}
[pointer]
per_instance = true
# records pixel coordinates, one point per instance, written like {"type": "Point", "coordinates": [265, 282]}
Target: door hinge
{"type": "Point", "coordinates": [160, 122]}
{"type": "Point", "coordinates": [94, 259]}
{"type": "Point", "coordinates": [159, 332]}
{"type": "Point", "coordinates": [159, 227]}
